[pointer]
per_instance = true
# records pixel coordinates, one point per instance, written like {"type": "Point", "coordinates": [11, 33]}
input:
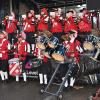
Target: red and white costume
{"type": "Point", "coordinates": [4, 49]}
{"type": "Point", "coordinates": [43, 20]}
{"type": "Point", "coordinates": [73, 48]}
{"type": "Point", "coordinates": [84, 23]}
{"type": "Point", "coordinates": [38, 53]}
{"type": "Point", "coordinates": [11, 26]}
{"type": "Point", "coordinates": [29, 25]}
{"type": "Point", "coordinates": [21, 49]}
{"type": "Point", "coordinates": [69, 24]}
{"type": "Point", "coordinates": [43, 69]}
{"type": "Point", "coordinates": [73, 51]}
{"type": "Point", "coordinates": [56, 25]}
{"type": "Point", "coordinates": [29, 28]}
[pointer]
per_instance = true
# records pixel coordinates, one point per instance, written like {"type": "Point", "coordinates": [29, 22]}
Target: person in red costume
{"type": "Point", "coordinates": [44, 68]}
{"type": "Point", "coordinates": [69, 22]}
{"type": "Point", "coordinates": [10, 23]}
{"type": "Point", "coordinates": [56, 24]}
{"type": "Point", "coordinates": [84, 25]}
{"type": "Point", "coordinates": [43, 20]}
{"type": "Point", "coordinates": [4, 51]}
{"type": "Point", "coordinates": [73, 46]}
{"type": "Point", "coordinates": [73, 52]}
{"type": "Point", "coordinates": [29, 28]}
{"type": "Point", "coordinates": [22, 48]}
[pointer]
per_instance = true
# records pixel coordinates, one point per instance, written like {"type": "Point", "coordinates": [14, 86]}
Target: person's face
{"type": "Point", "coordinates": [42, 13]}
{"type": "Point", "coordinates": [84, 11]}
{"type": "Point", "coordinates": [29, 15]}
{"type": "Point", "coordinates": [53, 15]}
{"type": "Point", "coordinates": [56, 13]}
{"type": "Point", "coordinates": [23, 17]}
{"type": "Point", "coordinates": [69, 14]}
{"type": "Point", "coordinates": [32, 11]}
{"type": "Point", "coordinates": [1, 36]}
{"type": "Point", "coordinates": [19, 39]}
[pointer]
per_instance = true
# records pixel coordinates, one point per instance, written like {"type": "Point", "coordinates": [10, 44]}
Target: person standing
{"type": "Point", "coordinates": [10, 23]}
{"type": "Point", "coordinates": [56, 24]}
{"type": "Point", "coordinates": [44, 67]}
{"type": "Point", "coordinates": [73, 52]}
{"type": "Point", "coordinates": [29, 28]}
{"type": "Point", "coordinates": [22, 48]}
{"type": "Point", "coordinates": [69, 23]}
{"type": "Point", "coordinates": [84, 25]}
{"type": "Point", "coordinates": [42, 22]}
{"type": "Point", "coordinates": [4, 51]}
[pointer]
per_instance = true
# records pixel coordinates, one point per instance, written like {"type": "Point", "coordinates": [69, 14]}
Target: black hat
{"type": "Point", "coordinates": [70, 11]}
{"type": "Point", "coordinates": [83, 9]}
{"type": "Point", "coordinates": [71, 32]}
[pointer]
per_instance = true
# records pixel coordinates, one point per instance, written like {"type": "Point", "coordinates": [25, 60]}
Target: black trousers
{"type": "Point", "coordinates": [30, 37]}
{"type": "Point", "coordinates": [74, 70]}
{"type": "Point", "coordinates": [4, 65]}
{"type": "Point", "coordinates": [23, 65]}
{"type": "Point", "coordinates": [65, 67]}
{"type": "Point", "coordinates": [12, 38]}
{"type": "Point", "coordinates": [45, 67]}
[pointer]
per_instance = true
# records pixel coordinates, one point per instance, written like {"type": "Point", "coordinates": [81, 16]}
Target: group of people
{"type": "Point", "coordinates": [20, 39]}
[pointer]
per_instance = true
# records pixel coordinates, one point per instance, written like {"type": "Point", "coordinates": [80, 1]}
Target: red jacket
{"type": "Point", "coordinates": [39, 54]}
{"type": "Point", "coordinates": [29, 25]}
{"type": "Point", "coordinates": [43, 23]}
{"type": "Point", "coordinates": [4, 49]}
{"type": "Point", "coordinates": [69, 25]}
{"type": "Point", "coordinates": [11, 26]}
{"type": "Point", "coordinates": [72, 49]}
{"type": "Point", "coordinates": [21, 50]}
{"type": "Point", "coordinates": [56, 25]}
{"type": "Point", "coordinates": [85, 25]}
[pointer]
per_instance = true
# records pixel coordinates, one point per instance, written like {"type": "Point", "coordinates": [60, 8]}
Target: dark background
{"type": "Point", "coordinates": [93, 4]}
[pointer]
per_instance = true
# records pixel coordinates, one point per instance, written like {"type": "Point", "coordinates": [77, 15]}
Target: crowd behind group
{"type": "Point", "coordinates": [22, 39]}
